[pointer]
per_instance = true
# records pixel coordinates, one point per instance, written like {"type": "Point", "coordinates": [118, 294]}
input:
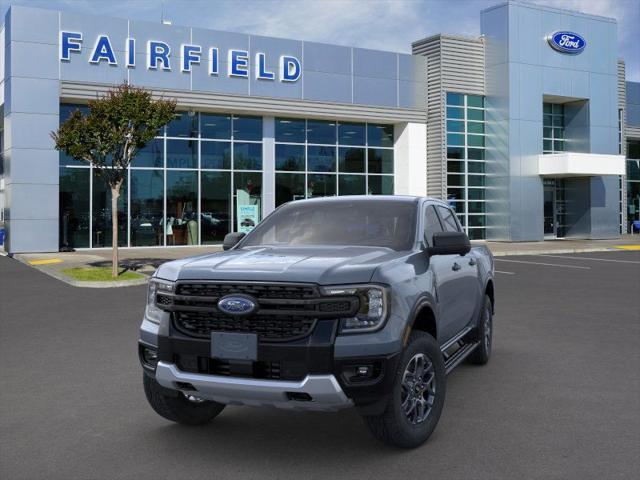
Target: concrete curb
{"type": "Point", "coordinates": [556, 251]}
{"type": "Point", "coordinates": [81, 284]}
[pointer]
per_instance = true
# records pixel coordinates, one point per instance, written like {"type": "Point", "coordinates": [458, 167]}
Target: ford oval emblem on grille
{"type": "Point", "coordinates": [237, 305]}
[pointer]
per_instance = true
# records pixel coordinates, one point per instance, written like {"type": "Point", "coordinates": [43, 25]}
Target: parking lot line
{"type": "Point", "coordinates": [628, 247]}
{"type": "Point", "coordinates": [46, 261]}
{"type": "Point", "coordinates": [545, 264]}
{"type": "Point", "coordinates": [591, 258]}
{"type": "Point", "coordinates": [505, 273]}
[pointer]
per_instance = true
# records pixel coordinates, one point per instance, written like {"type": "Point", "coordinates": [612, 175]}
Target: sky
{"type": "Point", "coordinates": [378, 24]}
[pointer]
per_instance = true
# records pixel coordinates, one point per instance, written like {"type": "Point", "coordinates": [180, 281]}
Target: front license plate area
{"type": "Point", "coordinates": [234, 346]}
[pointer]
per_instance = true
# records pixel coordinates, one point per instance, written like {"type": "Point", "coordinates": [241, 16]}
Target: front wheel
{"type": "Point", "coordinates": [178, 407]}
{"type": "Point", "coordinates": [417, 398]}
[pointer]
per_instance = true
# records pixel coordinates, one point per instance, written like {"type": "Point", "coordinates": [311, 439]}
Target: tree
{"type": "Point", "coordinates": [117, 126]}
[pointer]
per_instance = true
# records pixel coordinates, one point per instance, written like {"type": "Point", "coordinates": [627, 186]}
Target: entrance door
{"type": "Point", "coordinates": [555, 208]}
{"type": "Point", "coordinates": [549, 207]}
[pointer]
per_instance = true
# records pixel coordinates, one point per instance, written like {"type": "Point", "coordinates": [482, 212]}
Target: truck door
{"type": "Point", "coordinates": [462, 289]}
{"type": "Point", "coordinates": [444, 275]}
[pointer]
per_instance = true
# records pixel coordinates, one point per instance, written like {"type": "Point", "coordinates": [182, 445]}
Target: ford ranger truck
{"type": "Point", "coordinates": [329, 303]}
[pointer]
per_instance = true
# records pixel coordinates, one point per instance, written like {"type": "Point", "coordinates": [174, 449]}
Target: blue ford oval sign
{"type": "Point", "coordinates": [567, 42]}
{"type": "Point", "coordinates": [236, 305]}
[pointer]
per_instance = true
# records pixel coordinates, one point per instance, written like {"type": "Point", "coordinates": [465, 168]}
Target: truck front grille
{"type": "Point", "coordinates": [257, 290]}
{"type": "Point", "coordinates": [268, 328]}
{"type": "Point", "coordinates": [285, 311]}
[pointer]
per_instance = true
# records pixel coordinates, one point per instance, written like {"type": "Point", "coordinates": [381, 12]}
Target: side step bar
{"type": "Point", "coordinates": [453, 359]}
{"type": "Point", "coordinates": [463, 352]}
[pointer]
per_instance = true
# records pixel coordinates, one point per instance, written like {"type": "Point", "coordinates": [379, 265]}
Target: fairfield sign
{"type": "Point", "coordinates": [159, 56]}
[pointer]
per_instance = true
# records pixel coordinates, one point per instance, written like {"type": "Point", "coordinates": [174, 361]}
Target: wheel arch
{"type": "Point", "coordinates": [490, 291]}
{"type": "Point", "coordinates": [422, 319]}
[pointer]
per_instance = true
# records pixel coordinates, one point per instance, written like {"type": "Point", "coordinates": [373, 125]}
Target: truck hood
{"type": "Point", "coordinates": [321, 265]}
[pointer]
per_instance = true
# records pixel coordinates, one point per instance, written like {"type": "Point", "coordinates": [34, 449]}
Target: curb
{"type": "Point", "coordinates": [556, 251]}
{"type": "Point", "coordinates": [84, 284]}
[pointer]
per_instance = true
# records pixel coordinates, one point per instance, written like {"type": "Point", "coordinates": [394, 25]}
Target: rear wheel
{"type": "Point", "coordinates": [178, 407]}
{"type": "Point", "coordinates": [417, 398]}
{"type": "Point", "coordinates": [482, 353]}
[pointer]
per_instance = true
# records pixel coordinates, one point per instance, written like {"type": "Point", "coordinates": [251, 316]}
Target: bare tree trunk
{"type": "Point", "coordinates": [115, 193]}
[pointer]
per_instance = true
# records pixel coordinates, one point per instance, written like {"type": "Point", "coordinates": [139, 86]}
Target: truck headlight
{"type": "Point", "coordinates": [156, 286]}
{"type": "Point", "coordinates": [374, 301]}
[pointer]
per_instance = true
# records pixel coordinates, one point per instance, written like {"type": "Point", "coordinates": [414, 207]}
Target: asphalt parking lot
{"type": "Point", "coordinates": [560, 397]}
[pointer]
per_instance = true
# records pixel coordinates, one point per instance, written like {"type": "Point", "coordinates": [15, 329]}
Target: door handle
{"type": "Point", "coordinates": [472, 262]}
{"type": "Point", "coordinates": [456, 267]}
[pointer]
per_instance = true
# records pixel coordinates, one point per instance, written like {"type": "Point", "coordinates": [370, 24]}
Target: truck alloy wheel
{"type": "Point", "coordinates": [416, 402]}
{"type": "Point", "coordinates": [418, 388]}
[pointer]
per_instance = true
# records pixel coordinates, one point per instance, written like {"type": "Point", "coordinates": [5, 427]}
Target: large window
{"type": "Point", "coordinates": [466, 181]}
{"type": "Point", "coordinates": [74, 207]}
{"type": "Point", "coordinates": [633, 182]}
{"type": "Point", "coordinates": [317, 158]}
{"type": "Point", "coordinates": [147, 207]}
{"type": "Point", "coordinates": [183, 188]}
{"type": "Point", "coordinates": [215, 206]}
{"type": "Point", "coordinates": [101, 214]}
{"type": "Point", "coordinates": [552, 128]}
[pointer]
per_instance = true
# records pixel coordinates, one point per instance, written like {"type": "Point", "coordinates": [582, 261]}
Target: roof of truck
{"type": "Point", "coordinates": [369, 198]}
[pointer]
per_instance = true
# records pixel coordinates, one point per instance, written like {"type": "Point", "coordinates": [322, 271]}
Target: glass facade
{"type": "Point", "coordinates": [181, 189]}
{"type": "Point", "coordinates": [552, 128]}
{"type": "Point", "coordinates": [316, 158]}
{"type": "Point", "coordinates": [466, 180]}
{"type": "Point", "coordinates": [185, 186]}
{"type": "Point", "coordinates": [633, 182]}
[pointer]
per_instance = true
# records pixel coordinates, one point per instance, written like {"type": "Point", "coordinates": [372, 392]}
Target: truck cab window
{"type": "Point", "coordinates": [449, 221]}
{"type": "Point", "coordinates": [431, 224]}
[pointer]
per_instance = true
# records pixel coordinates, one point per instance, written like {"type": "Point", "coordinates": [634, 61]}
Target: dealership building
{"type": "Point", "coordinates": [529, 131]}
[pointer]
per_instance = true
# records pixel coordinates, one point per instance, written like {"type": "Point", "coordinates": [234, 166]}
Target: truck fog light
{"type": "Point", "coordinates": [361, 373]}
{"type": "Point", "coordinates": [150, 356]}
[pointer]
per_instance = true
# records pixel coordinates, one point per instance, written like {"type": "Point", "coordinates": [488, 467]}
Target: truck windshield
{"type": "Point", "coordinates": [377, 223]}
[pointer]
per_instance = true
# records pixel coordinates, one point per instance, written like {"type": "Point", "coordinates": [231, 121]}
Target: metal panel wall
{"type": "Point", "coordinates": [78, 91]}
{"type": "Point", "coordinates": [329, 73]}
{"type": "Point", "coordinates": [455, 64]}
{"type": "Point", "coordinates": [521, 69]}
{"type": "Point", "coordinates": [30, 114]}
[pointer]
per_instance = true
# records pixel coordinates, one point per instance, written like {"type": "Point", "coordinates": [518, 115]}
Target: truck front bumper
{"type": "Point", "coordinates": [314, 373]}
{"type": "Point", "coordinates": [314, 392]}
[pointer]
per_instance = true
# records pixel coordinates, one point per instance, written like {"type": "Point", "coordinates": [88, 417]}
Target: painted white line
{"type": "Point", "coordinates": [505, 273]}
{"type": "Point", "coordinates": [591, 258]}
{"type": "Point", "coordinates": [539, 263]}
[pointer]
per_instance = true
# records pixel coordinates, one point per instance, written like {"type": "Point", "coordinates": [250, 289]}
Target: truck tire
{"type": "Point", "coordinates": [177, 407]}
{"type": "Point", "coordinates": [481, 354]}
{"type": "Point", "coordinates": [417, 397]}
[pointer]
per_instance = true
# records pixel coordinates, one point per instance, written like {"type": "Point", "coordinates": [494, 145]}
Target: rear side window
{"type": "Point", "coordinates": [431, 224]}
{"type": "Point", "coordinates": [448, 219]}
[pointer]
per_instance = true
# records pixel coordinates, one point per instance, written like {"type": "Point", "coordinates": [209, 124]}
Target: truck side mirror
{"type": "Point", "coordinates": [231, 239]}
{"type": "Point", "coordinates": [450, 243]}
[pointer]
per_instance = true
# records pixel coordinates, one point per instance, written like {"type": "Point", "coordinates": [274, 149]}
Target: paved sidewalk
{"type": "Point", "coordinates": [626, 242]}
{"type": "Point", "coordinates": [141, 260]}
{"type": "Point", "coordinates": [146, 260]}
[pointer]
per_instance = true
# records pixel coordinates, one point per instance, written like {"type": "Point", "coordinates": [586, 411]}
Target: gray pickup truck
{"type": "Point", "coordinates": [365, 302]}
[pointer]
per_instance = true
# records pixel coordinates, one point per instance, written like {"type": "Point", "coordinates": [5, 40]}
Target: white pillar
{"type": "Point", "coordinates": [268, 166]}
{"type": "Point", "coordinates": [410, 159]}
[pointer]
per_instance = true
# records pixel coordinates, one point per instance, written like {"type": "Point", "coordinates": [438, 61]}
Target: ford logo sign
{"type": "Point", "coordinates": [237, 305]}
{"type": "Point", "coordinates": [567, 42]}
